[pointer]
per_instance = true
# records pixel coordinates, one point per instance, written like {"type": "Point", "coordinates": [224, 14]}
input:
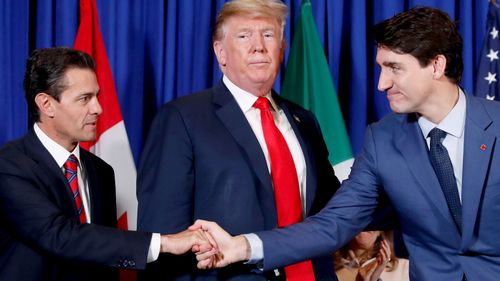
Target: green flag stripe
{"type": "Point", "coordinates": [308, 82]}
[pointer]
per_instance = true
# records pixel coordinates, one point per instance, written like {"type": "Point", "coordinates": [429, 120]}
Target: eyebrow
{"type": "Point", "coordinates": [391, 64]}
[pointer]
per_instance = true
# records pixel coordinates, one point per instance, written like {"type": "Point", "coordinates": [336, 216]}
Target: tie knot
{"type": "Point", "coordinates": [261, 103]}
{"type": "Point", "coordinates": [437, 134]}
{"type": "Point", "coordinates": [71, 163]}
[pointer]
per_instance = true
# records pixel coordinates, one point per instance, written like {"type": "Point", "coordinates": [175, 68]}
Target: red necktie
{"type": "Point", "coordinates": [286, 185]}
{"type": "Point", "coordinates": [70, 171]}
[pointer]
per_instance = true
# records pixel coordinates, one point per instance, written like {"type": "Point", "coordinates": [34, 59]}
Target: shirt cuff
{"type": "Point", "coordinates": [256, 248]}
{"type": "Point", "coordinates": [154, 247]}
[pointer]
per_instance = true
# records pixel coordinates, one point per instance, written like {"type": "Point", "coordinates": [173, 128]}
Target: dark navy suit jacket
{"type": "Point", "coordinates": [394, 161]}
{"type": "Point", "coordinates": [40, 235]}
{"type": "Point", "coordinates": [203, 161]}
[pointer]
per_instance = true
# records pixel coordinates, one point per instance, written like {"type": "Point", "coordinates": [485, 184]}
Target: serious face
{"type": "Point", "coordinates": [74, 117]}
{"type": "Point", "coordinates": [251, 52]}
{"type": "Point", "coordinates": [406, 82]}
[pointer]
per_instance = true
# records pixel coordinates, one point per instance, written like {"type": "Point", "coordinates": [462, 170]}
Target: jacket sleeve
{"type": "Point", "coordinates": [34, 217]}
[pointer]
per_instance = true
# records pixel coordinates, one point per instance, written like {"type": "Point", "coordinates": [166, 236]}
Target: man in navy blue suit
{"type": "Point", "coordinates": [58, 221]}
{"type": "Point", "coordinates": [207, 155]}
{"type": "Point", "coordinates": [435, 159]}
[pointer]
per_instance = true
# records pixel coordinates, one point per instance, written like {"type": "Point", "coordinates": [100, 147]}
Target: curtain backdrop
{"type": "Point", "coordinates": [161, 49]}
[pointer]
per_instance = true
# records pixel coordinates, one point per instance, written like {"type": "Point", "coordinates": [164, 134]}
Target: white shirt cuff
{"type": "Point", "coordinates": [256, 248]}
{"type": "Point", "coordinates": [154, 247]}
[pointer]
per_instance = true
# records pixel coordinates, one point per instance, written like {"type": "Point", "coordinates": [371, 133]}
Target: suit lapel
{"type": "Point", "coordinates": [411, 144]}
{"type": "Point", "coordinates": [298, 127]}
{"type": "Point", "coordinates": [231, 116]}
{"type": "Point", "coordinates": [478, 147]}
{"type": "Point", "coordinates": [92, 184]}
{"type": "Point", "coordinates": [51, 172]}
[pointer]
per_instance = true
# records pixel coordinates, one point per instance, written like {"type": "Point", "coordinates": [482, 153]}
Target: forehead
{"type": "Point", "coordinates": [386, 56]}
{"type": "Point", "coordinates": [241, 22]}
{"type": "Point", "coordinates": [79, 81]}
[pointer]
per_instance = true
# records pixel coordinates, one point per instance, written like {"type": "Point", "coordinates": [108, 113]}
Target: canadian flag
{"type": "Point", "coordinates": [112, 143]}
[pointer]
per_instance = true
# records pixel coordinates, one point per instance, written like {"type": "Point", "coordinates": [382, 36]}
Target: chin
{"type": "Point", "coordinates": [88, 138]}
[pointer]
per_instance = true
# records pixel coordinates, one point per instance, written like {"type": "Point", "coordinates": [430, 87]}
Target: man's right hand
{"type": "Point", "coordinates": [229, 249]}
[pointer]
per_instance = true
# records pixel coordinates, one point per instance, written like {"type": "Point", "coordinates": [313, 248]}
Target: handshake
{"type": "Point", "coordinates": [213, 246]}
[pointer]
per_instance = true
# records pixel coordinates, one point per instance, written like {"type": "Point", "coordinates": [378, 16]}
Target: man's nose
{"type": "Point", "coordinates": [384, 82]}
{"type": "Point", "coordinates": [95, 107]}
{"type": "Point", "coordinates": [258, 44]}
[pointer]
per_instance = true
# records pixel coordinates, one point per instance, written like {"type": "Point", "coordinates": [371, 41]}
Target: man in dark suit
{"type": "Point", "coordinates": [57, 201]}
{"type": "Point", "coordinates": [209, 154]}
{"type": "Point", "coordinates": [435, 158]}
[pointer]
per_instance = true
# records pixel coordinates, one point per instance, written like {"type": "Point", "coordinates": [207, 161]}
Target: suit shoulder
{"type": "Point", "coordinates": [191, 101]}
{"type": "Point", "coordinates": [14, 157]}
{"type": "Point", "coordinates": [491, 106]}
{"type": "Point", "coordinates": [95, 160]}
{"type": "Point", "coordinates": [297, 109]}
{"type": "Point", "coordinates": [391, 121]}
{"type": "Point", "coordinates": [292, 105]}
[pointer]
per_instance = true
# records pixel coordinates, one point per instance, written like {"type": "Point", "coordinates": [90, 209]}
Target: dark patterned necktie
{"type": "Point", "coordinates": [444, 171]}
{"type": "Point", "coordinates": [70, 171]}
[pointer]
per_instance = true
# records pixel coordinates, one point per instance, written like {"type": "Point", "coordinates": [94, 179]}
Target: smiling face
{"type": "Point", "coordinates": [408, 85]}
{"type": "Point", "coordinates": [250, 52]}
{"type": "Point", "coordinates": [73, 118]}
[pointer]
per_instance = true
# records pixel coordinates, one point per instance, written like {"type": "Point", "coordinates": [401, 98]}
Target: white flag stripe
{"type": "Point", "coordinates": [113, 147]}
{"type": "Point", "coordinates": [343, 169]}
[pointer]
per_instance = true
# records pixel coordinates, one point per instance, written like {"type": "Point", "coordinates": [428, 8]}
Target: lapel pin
{"type": "Point", "coordinates": [296, 118]}
{"type": "Point", "coordinates": [483, 147]}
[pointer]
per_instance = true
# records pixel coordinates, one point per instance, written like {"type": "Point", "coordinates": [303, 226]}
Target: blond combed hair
{"type": "Point", "coordinates": [252, 9]}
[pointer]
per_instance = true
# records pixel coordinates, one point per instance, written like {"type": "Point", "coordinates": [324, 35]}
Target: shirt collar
{"type": "Point", "coordinates": [452, 124]}
{"type": "Point", "coordinates": [245, 99]}
{"type": "Point", "coordinates": [59, 153]}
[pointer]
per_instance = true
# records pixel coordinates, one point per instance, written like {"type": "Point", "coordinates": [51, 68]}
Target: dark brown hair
{"type": "Point", "coordinates": [45, 70]}
{"type": "Point", "coordinates": [424, 33]}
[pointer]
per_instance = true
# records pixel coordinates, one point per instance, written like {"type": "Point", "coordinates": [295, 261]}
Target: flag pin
{"type": "Point", "coordinates": [483, 147]}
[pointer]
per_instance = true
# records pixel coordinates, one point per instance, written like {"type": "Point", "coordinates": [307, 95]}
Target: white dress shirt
{"type": "Point", "coordinates": [60, 155]}
{"type": "Point", "coordinates": [453, 124]}
{"type": "Point", "coordinates": [246, 101]}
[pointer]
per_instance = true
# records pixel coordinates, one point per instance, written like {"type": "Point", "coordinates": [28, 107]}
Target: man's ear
{"type": "Point", "coordinates": [45, 104]}
{"type": "Point", "coordinates": [220, 53]}
{"type": "Point", "coordinates": [439, 66]}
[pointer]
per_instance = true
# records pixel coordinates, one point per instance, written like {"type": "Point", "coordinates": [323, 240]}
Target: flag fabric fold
{"type": "Point", "coordinates": [308, 82]}
{"type": "Point", "coordinates": [487, 75]}
{"type": "Point", "coordinates": [112, 143]}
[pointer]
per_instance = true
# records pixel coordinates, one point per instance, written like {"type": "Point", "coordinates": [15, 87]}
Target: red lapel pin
{"type": "Point", "coordinates": [483, 147]}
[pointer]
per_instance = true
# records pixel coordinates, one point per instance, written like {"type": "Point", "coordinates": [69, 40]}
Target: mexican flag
{"type": "Point", "coordinates": [308, 82]}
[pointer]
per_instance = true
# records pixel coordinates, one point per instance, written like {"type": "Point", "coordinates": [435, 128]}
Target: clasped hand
{"type": "Point", "coordinates": [222, 249]}
{"type": "Point", "coordinates": [213, 246]}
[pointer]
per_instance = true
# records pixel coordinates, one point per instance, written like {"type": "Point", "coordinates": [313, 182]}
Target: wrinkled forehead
{"type": "Point", "coordinates": [241, 22]}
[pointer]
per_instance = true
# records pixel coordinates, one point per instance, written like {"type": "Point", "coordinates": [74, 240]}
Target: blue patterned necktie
{"type": "Point", "coordinates": [444, 171]}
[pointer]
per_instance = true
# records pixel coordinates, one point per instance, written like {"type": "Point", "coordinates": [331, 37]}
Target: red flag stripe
{"type": "Point", "coordinates": [89, 39]}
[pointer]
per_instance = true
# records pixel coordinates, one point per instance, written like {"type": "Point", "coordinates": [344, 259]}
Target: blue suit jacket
{"type": "Point", "coordinates": [202, 160]}
{"type": "Point", "coordinates": [394, 161]}
{"type": "Point", "coordinates": [40, 234]}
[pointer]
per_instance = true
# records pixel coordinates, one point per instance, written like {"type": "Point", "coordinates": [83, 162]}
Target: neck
{"type": "Point", "coordinates": [442, 102]}
{"type": "Point", "coordinates": [55, 136]}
